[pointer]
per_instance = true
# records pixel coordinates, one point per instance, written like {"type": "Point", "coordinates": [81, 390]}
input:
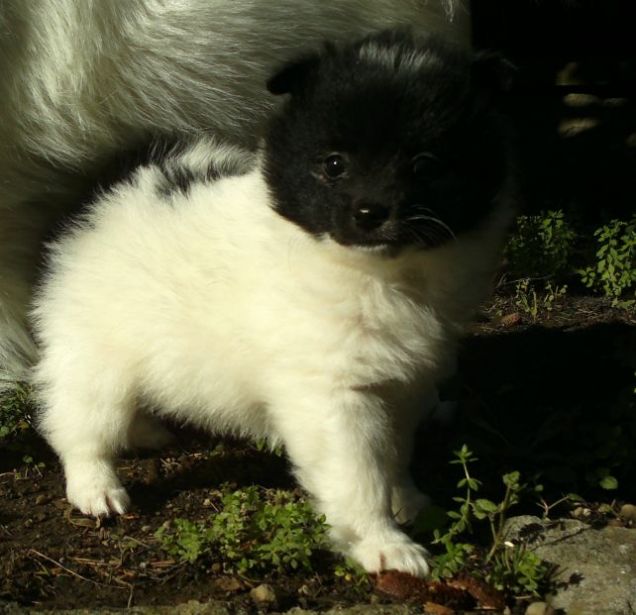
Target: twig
{"type": "Point", "coordinates": [118, 582]}
{"type": "Point", "coordinates": [59, 565]}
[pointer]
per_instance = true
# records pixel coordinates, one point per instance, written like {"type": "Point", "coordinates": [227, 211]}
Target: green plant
{"type": "Point", "coordinates": [518, 570]}
{"type": "Point", "coordinates": [540, 245]}
{"type": "Point", "coordinates": [553, 294]}
{"type": "Point", "coordinates": [351, 572]}
{"type": "Point", "coordinates": [251, 533]}
{"type": "Point", "coordinates": [453, 558]}
{"type": "Point", "coordinates": [15, 412]}
{"type": "Point", "coordinates": [508, 566]}
{"type": "Point", "coordinates": [530, 302]}
{"type": "Point", "coordinates": [614, 272]}
{"type": "Point", "coordinates": [526, 298]}
{"type": "Point", "coordinates": [183, 539]}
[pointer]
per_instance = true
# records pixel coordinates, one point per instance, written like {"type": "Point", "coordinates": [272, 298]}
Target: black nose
{"type": "Point", "coordinates": [370, 216]}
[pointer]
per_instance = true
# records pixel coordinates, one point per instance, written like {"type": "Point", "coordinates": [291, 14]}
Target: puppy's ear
{"type": "Point", "coordinates": [492, 74]}
{"type": "Point", "coordinates": [294, 77]}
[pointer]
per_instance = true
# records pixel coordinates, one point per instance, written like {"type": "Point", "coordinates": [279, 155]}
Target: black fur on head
{"type": "Point", "coordinates": [392, 141]}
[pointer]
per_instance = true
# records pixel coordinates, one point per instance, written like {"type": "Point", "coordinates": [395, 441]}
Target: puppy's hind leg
{"type": "Point", "coordinates": [147, 432]}
{"type": "Point", "coordinates": [406, 499]}
{"type": "Point", "coordinates": [86, 419]}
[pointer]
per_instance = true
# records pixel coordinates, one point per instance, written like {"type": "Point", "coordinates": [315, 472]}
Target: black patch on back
{"type": "Point", "coordinates": [122, 167]}
{"type": "Point", "coordinates": [175, 179]}
{"type": "Point", "coordinates": [165, 155]}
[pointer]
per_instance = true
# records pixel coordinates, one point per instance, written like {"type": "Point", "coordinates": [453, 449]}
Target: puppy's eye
{"type": "Point", "coordinates": [426, 166]}
{"type": "Point", "coordinates": [334, 165]}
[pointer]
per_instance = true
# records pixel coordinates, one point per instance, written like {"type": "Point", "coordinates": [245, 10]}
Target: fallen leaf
{"type": "Point", "coordinates": [400, 585]}
{"type": "Point", "coordinates": [405, 587]}
{"type": "Point", "coordinates": [511, 320]}
{"type": "Point", "coordinates": [487, 596]}
{"type": "Point", "coordinates": [432, 608]}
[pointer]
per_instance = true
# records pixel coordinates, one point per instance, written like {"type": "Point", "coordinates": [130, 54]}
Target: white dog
{"type": "Point", "coordinates": [311, 294]}
{"type": "Point", "coordinates": [85, 79]}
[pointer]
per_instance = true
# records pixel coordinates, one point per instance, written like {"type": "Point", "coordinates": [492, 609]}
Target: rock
{"type": "Point", "coordinates": [263, 594]}
{"type": "Point", "coordinates": [229, 585]}
{"type": "Point", "coordinates": [597, 568]}
{"type": "Point", "coordinates": [432, 608]}
{"type": "Point", "coordinates": [628, 514]}
{"type": "Point", "coordinates": [511, 320]}
{"type": "Point", "coordinates": [575, 99]}
{"type": "Point", "coordinates": [539, 608]}
{"type": "Point", "coordinates": [573, 126]}
{"type": "Point", "coordinates": [211, 608]}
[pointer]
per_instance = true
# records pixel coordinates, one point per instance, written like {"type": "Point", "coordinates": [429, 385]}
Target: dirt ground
{"type": "Point", "coordinates": [529, 395]}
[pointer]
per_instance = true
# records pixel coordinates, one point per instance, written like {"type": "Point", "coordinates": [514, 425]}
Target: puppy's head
{"type": "Point", "coordinates": [388, 143]}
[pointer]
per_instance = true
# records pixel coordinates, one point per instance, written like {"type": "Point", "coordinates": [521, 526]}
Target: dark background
{"type": "Point", "coordinates": [574, 100]}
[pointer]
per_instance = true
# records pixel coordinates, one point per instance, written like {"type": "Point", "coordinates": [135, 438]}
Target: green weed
{"type": "Point", "coordinates": [507, 566]}
{"type": "Point", "coordinates": [251, 533]}
{"type": "Point", "coordinates": [540, 245]}
{"type": "Point", "coordinates": [533, 303]}
{"type": "Point", "coordinates": [614, 272]}
{"type": "Point", "coordinates": [15, 412]}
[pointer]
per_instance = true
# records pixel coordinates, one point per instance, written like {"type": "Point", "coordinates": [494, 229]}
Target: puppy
{"type": "Point", "coordinates": [311, 294]}
{"type": "Point", "coordinates": [82, 81]}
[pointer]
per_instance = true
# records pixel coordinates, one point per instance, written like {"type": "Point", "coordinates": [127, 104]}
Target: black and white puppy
{"type": "Point", "coordinates": [82, 80]}
{"type": "Point", "coordinates": [311, 294]}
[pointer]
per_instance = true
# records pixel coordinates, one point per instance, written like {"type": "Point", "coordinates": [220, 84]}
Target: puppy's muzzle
{"type": "Point", "coordinates": [370, 216]}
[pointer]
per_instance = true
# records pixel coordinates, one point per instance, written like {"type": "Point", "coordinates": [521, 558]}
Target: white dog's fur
{"type": "Point", "coordinates": [214, 309]}
{"type": "Point", "coordinates": [82, 79]}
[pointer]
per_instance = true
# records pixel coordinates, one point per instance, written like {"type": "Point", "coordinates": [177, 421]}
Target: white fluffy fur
{"type": "Point", "coordinates": [216, 310]}
{"type": "Point", "coordinates": [83, 78]}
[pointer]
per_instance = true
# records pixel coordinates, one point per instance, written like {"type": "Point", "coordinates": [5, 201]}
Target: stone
{"type": "Point", "coordinates": [628, 513]}
{"type": "Point", "coordinates": [597, 567]}
{"type": "Point", "coordinates": [539, 608]}
{"type": "Point", "coordinates": [263, 594]}
{"type": "Point", "coordinates": [511, 320]}
{"type": "Point", "coordinates": [211, 608]}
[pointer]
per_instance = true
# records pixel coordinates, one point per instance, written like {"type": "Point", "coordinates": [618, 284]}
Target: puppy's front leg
{"type": "Point", "coordinates": [343, 447]}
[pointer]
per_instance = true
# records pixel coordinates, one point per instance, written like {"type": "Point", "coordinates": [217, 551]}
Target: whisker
{"type": "Point", "coordinates": [436, 221]}
{"type": "Point", "coordinates": [419, 236]}
{"type": "Point", "coordinates": [420, 207]}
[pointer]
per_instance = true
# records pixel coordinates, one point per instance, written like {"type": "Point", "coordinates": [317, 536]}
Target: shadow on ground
{"type": "Point", "coordinates": [556, 404]}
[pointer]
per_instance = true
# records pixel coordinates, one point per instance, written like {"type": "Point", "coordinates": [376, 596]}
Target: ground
{"type": "Point", "coordinates": [546, 395]}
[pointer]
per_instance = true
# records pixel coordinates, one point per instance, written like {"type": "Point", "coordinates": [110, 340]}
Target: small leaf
{"type": "Point", "coordinates": [609, 482]}
{"type": "Point", "coordinates": [486, 506]}
{"type": "Point", "coordinates": [511, 479]}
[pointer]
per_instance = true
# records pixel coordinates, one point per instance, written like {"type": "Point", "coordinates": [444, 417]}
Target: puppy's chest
{"type": "Point", "coordinates": [394, 337]}
{"type": "Point", "coordinates": [373, 332]}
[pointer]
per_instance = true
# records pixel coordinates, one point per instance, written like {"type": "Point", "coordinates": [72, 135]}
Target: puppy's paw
{"type": "Point", "coordinates": [96, 491]}
{"type": "Point", "coordinates": [394, 551]}
{"type": "Point", "coordinates": [406, 501]}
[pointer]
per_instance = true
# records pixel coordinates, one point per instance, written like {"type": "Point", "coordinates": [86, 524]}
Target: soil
{"type": "Point", "coordinates": [515, 374]}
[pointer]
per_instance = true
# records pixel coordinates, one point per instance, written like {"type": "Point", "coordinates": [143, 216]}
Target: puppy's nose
{"type": "Point", "coordinates": [370, 216]}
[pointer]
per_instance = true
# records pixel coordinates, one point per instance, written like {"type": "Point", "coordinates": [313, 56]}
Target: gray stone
{"type": "Point", "coordinates": [597, 566]}
{"type": "Point", "coordinates": [189, 608]}
{"type": "Point", "coordinates": [539, 608]}
{"type": "Point", "coordinates": [263, 594]}
{"type": "Point", "coordinates": [211, 608]}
